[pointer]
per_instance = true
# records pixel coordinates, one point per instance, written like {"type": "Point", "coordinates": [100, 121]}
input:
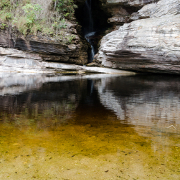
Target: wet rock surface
{"type": "Point", "coordinates": [150, 44]}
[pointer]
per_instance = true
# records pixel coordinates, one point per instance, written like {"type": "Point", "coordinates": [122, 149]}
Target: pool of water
{"type": "Point", "coordinates": [89, 127]}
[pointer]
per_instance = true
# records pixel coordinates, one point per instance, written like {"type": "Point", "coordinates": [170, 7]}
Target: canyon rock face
{"type": "Point", "coordinates": [149, 43]}
{"type": "Point", "coordinates": [121, 10]}
{"type": "Point", "coordinates": [61, 42]}
{"type": "Point", "coordinates": [49, 49]}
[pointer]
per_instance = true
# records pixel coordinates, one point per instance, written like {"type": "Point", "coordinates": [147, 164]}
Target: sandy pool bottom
{"type": "Point", "coordinates": [70, 151]}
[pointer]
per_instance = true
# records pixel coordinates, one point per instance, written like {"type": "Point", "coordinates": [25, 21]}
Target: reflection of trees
{"type": "Point", "coordinates": [51, 115]}
{"type": "Point", "coordinates": [52, 103]}
{"type": "Point", "coordinates": [137, 99]}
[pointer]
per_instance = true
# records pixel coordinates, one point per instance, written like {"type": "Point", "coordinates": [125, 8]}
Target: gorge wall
{"type": "Point", "coordinates": [146, 36]}
{"type": "Point", "coordinates": [56, 38]}
{"type": "Point", "coordinates": [47, 48]}
{"type": "Point", "coordinates": [143, 36]}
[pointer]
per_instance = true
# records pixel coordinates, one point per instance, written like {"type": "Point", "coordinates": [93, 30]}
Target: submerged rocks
{"type": "Point", "coordinates": [151, 44]}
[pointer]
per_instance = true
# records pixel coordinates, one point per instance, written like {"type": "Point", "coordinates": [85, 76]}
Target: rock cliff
{"type": "Point", "coordinates": [48, 48]}
{"type": "Point", "coordinates": [48, 33]}
{"type": "Point", "coordinates": [150, 42]}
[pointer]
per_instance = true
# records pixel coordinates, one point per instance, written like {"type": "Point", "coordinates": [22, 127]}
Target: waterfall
{"type": "Point", "coordinates": [89, 29]}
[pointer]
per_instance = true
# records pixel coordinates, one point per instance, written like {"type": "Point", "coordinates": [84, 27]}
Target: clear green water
{"type": "Point", "coordinates": [102, 128]}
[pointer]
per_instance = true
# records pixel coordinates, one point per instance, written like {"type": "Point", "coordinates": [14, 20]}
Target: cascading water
{"type": "Point", "coordinates": [89, 28]}
{"type": "Point", "coordinates": [93, 20]}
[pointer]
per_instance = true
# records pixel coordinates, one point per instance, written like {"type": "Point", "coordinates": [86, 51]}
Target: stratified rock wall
{"type": "Point", "coordinates": [149, 44]}
{"type": "Point", "coordinates": [48, 48]}
{"type": "Point", "coordinates": [61, 44]}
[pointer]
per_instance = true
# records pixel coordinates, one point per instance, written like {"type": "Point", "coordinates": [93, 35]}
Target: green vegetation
{"type": "Point", "coordinates": [30, 11]}
{"type": "Point", "coordinates": [48, 17]}
{"type": "Point", "coordinates": [28, 21]}
{"type": "Point", "coordinates": [65, 6]}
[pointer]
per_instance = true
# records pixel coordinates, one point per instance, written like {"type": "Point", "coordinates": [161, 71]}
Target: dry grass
{"type": "Point", "coordinates": [46, 8]}
{"type": "Point", "coordinates": [47, 21]}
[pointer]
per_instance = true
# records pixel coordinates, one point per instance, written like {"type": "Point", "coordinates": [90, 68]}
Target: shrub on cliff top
{"type": "Point", "coordinates": [5, 13]}
{"type": "Point", "coordinates": [31, 11]}
{"type": "Point", "coordinates": [65, 6]}
{"type": "Point", "coordinates": [27, 18]}
{"type": "Point", "coordinates": [33, 16]}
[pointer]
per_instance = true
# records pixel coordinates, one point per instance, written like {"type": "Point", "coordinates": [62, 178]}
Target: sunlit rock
{"type": "Point", "coordinates": [146, 45]}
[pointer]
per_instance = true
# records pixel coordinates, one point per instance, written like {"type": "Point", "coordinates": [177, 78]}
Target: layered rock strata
{"type": "Point", "coordinates": [17, 61]}
{"type": "Point", "coordinates": [150, 43]}
{"type": "Point", "coordinates": [61, 45]}
{"type": "Point", "coordinates": [49, 49]}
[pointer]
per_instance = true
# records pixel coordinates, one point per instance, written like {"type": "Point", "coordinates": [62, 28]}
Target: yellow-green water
{"type": "Point", "coordinates": [87, 141]}
{"type": "Point", "coordinates": [70, 151]}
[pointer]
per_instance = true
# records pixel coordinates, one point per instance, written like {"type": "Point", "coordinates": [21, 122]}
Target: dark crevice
{"type": "Point", "coordinates": [131, 9]}
{"type": "Point", "coordinates": [97, 21]}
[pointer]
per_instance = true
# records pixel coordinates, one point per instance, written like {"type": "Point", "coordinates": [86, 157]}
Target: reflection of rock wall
{"type": "Point", "coordinates": [142, 101]}
{"type": "Point", "coordinates": [44, 98]}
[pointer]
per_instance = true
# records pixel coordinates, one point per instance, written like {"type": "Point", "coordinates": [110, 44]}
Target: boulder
{"type": "Point", "coordinates": [151, 44]}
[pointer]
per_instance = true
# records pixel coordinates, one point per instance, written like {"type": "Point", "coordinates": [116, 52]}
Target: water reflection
{"type": "Point", "coordinates": [142, 100]}
{"type": "Point", "coordinates": [138, 100]}
{"type": "Point", "coordinates": [89, 127]}
{"type": "Point", "coordinates": [52, 99]}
